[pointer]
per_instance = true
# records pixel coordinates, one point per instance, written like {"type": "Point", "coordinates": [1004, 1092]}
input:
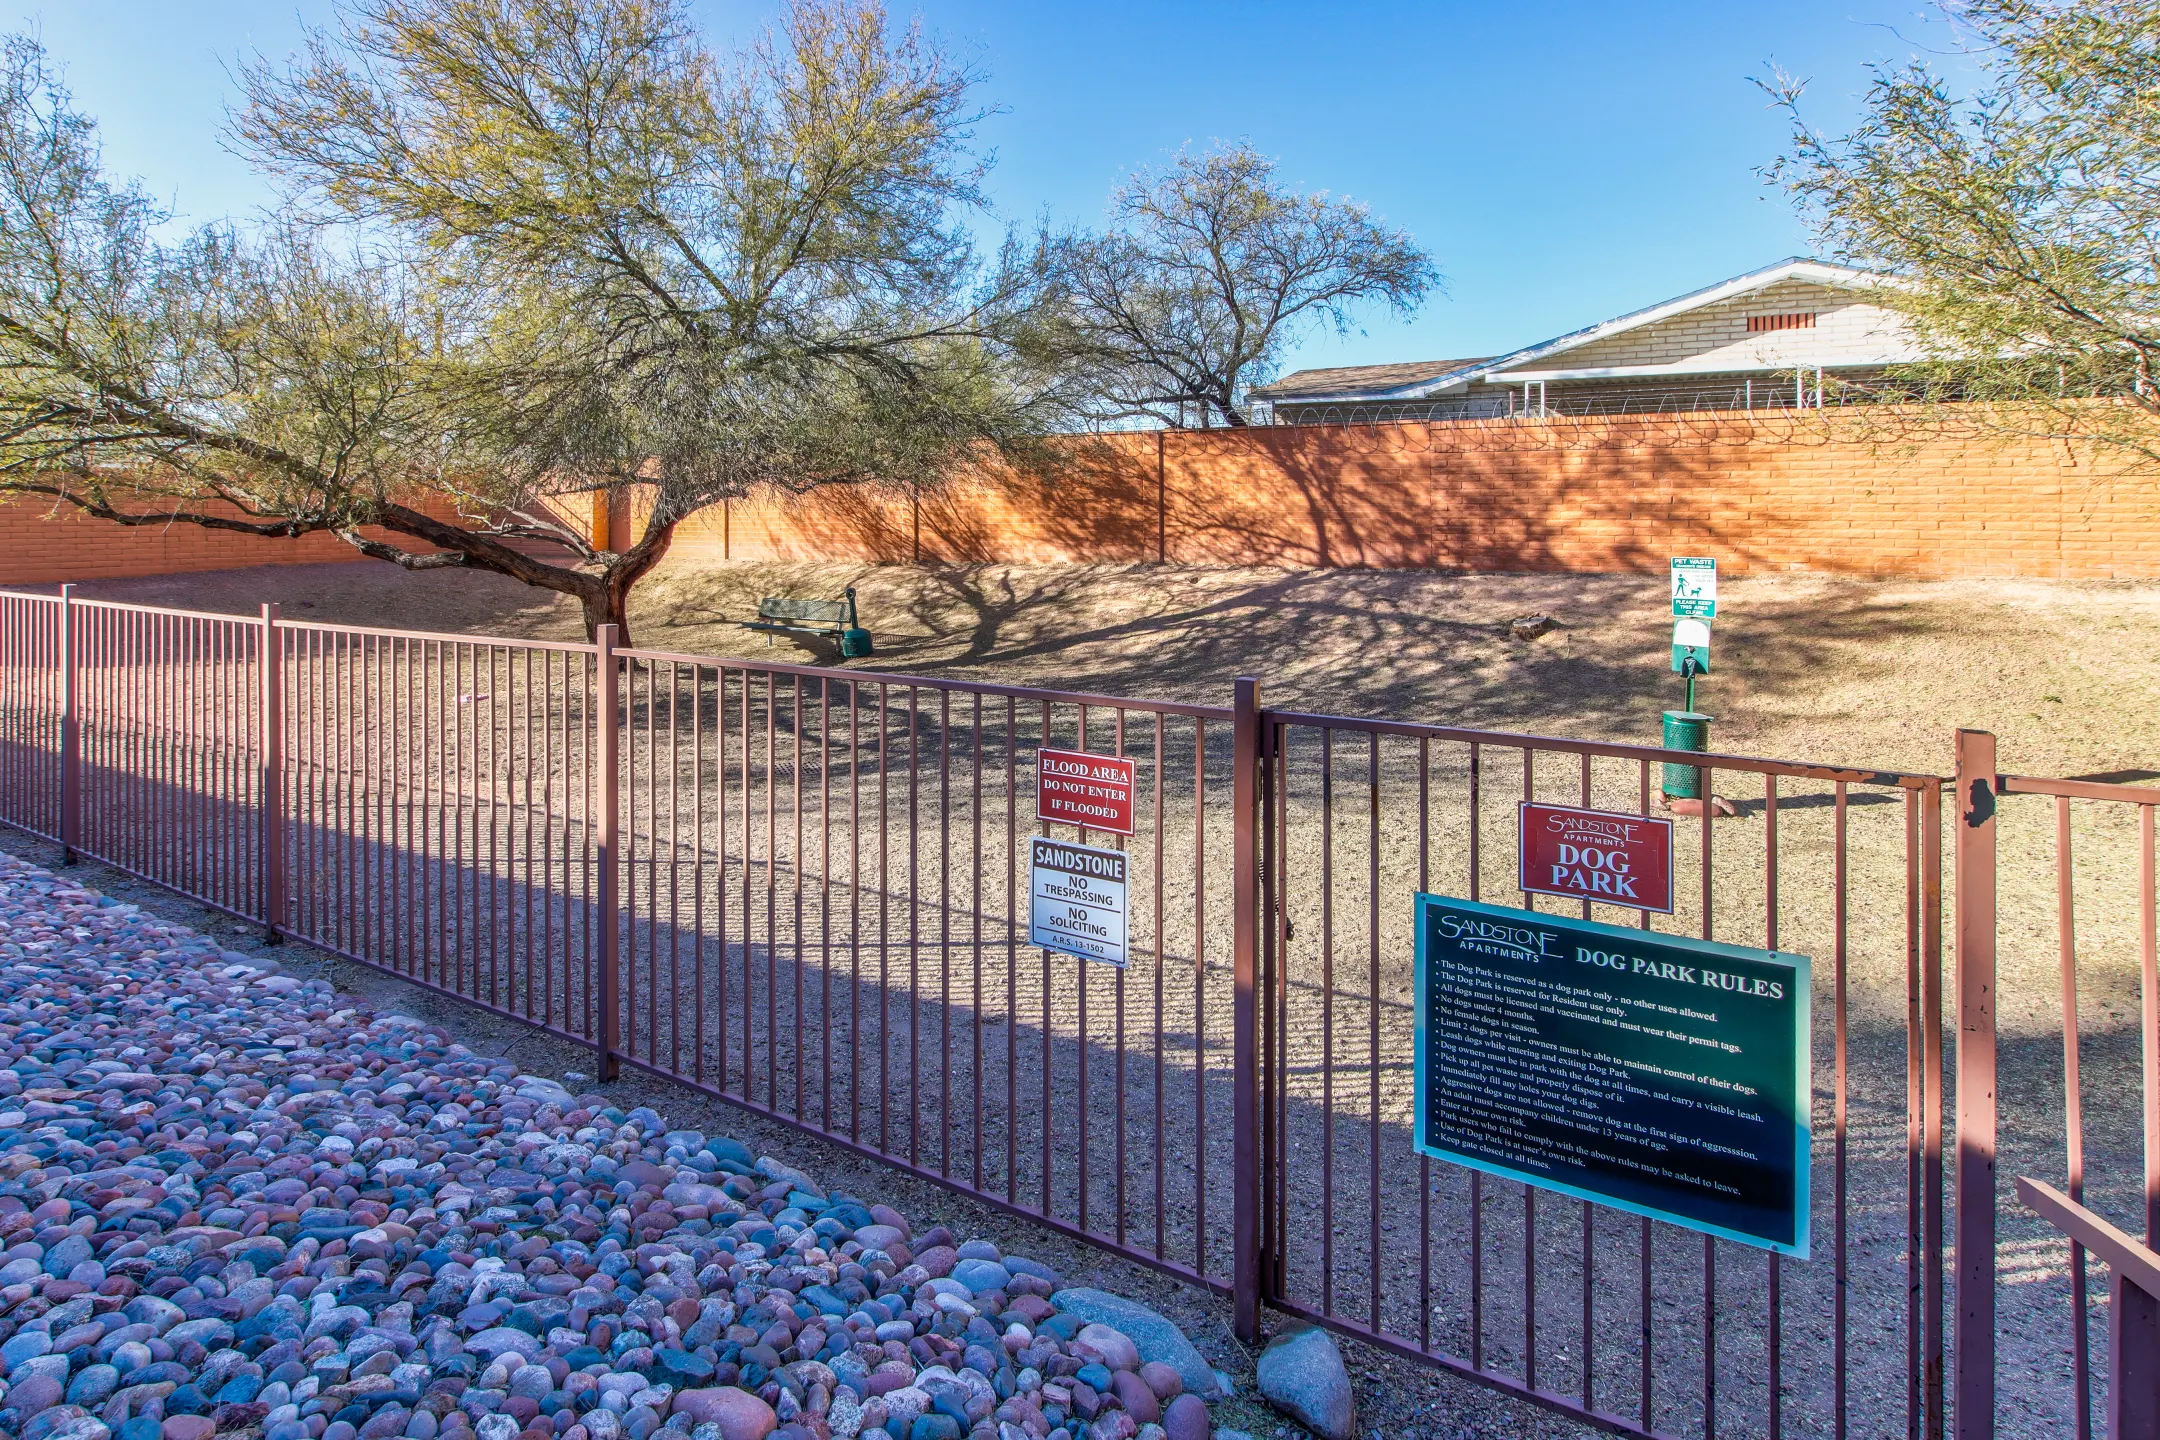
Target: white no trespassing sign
{"type": "Point", "coordinates": [1077, 901]}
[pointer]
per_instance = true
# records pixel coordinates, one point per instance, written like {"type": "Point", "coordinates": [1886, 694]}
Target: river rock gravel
{"type": "Point", "coordinates": [236, 1202]}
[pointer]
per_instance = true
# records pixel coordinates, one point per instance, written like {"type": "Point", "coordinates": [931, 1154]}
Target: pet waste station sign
{"type": "Point", "coordinates": [1694, 587]}
{"type": "Point", "coordinates": [1694, 606]}
{"type": "Point", "coordinates": [1073, 787]}
{"type": "Point", "coordinates": [1076, 900]}
{"type": "Point", "coordinates": [1655, 1074]}
{"type": "Point", "coordinates": [1596, 855]}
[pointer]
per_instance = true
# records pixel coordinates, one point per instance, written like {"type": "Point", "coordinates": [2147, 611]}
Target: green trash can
{"type": "Point", "coordinates": [1685, 730]}
{"type": "Point", "coordinates": [854, 640]}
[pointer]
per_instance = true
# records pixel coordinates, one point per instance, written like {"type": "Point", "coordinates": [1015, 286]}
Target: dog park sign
{"type": "Point", "coordinates": [1652, 1073]}
{"type": "Point", "coordinates": [1603, 855]}
{"type": "Point", "coordinates": [1094, 792]}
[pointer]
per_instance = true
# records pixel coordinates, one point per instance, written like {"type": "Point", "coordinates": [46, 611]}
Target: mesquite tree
{"type": "Point", "coordinates": [2020, 217]}
{"type": "Point", "coordinates": [532, 250]}
{"type": "Point", "coordinates": [1210, 269]}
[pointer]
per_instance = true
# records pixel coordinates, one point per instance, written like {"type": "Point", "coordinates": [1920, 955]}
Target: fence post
{"type": "Point", "coordinates": [1247, 751]}
{"type": "Point", "coordinates": [607, 709]}
{"type": "Point", "coordinates": [1973, 1340]}
{"type": "Point", "coordinates": [272, 673]}
{"type": "Point", "coordinates": [70, 734]}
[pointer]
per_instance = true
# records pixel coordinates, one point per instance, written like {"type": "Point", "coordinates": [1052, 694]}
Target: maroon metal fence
{"type": "Point", "coordinates": [2061, 982]}
{"type": "Point", "coordinates": [799, 889]}
{"type": "Point", "coordinates": [1636, 1326]}
{"type": "Point", "coordinates": [824, 921]}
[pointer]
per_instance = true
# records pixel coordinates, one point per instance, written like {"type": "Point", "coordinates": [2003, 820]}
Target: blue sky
{"type": "Point", "coordinates": [1564, 162]}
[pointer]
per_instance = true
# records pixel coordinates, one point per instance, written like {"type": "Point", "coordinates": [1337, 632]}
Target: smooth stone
{"type": "Point", "coordinates": [1117, 1350]}
{"type": "Point", "coordinates": [870, 1237]}
{"type": "Point", "coordinates": [739, 1414]}
{"type": "Point", "coordinates": [904, 1404]}
{"type": "Point", "coordinates": [187, 1427]}
{"type": "Point", "coordinates": [93, 1386]}
{"type": "Point", "coordinates": [39, 1392]}
{"type": "Point", "coordinates": [506, 1339]}
{"type": "Point", "coordinates": [1301, 1374]}
{"type": "Point", "coordinates": [1021, 1265]}
{"type": "Point", "coordinates": [1139, 1401]}
{"type": "Point", "coordinates": [1153, 1337]}
{"type": "Point", "coordinates": [1187, 1419]}
{"type": "Point", "coordinates": [980, 1274]}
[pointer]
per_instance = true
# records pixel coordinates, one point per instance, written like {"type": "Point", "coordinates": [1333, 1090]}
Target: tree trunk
{"type": "Point", "coordinates": [604, 604]}
{"type": "Point", "coordinates": [605, 597]}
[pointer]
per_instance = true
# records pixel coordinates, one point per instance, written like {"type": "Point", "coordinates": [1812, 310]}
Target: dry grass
{"type": "Point", "coordinates": [1808, 667]}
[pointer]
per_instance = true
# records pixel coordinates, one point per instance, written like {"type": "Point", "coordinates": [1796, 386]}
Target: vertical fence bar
{"type": "Point", "coordinates": [70, 734]}
{"type": "Point", "coordinates": [1931, 1110]}
{"type": "Point", "coordinates": [270, 670]}
{"type": "Point", "coordinates": [1246, 749]}
{"type": "Point", "coordinates": [1974, 1339]}
{"type": "Point", "coordinates": [2149, 1027]}
{"type": "Point", "coordinates": [2073, 1114]}
{"type": "Point", "coordinates": [608, 719]}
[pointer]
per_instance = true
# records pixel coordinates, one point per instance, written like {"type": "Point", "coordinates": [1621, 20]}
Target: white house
{"type": "Point", "coordinates": [1765, 339]}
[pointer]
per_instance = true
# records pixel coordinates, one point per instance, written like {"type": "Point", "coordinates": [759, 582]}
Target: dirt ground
{"type": "Point", "coordinates": [1812, 668]}
{"type": "Point", "coordinates": [1806, 667]}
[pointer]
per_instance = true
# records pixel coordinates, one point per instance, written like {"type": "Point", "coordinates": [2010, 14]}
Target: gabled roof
{"type": "Point", "coordinates": [1342, 379]}
{"type": "Point", "coordinates": [1371, 383]}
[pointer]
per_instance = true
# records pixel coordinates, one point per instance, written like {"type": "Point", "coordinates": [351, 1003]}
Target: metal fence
{"type": "Point", "coordinates": [2062, 986]}
{"type": "Point", "coordinates": [1634, 1325]}
{"type": "Point", "coordinates": [799, 889]}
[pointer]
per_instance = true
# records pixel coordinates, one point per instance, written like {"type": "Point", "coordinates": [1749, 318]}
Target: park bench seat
{"type": "Point", "coordinates": [783, 613]}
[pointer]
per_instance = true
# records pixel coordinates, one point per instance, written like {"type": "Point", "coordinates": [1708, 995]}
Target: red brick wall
{"type": "Point", "coordinates": [1770, 492]}
{"type": "Point", "coordinates": [1762, 492]}
{"type": "Point", "coordinates": [42, 541]}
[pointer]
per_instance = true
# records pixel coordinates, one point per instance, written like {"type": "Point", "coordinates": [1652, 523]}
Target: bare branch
{"type": "Point", "coordinates": [1213, 269]}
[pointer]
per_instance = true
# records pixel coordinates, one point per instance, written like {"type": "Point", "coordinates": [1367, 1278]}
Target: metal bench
{"type": "Point", "coordinates": [834, 619]}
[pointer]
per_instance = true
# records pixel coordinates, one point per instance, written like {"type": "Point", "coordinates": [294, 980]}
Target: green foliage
{"type": "Point", "coordinates": [1210, 270]}
{"type": "Point", "coordinates": [2021, 222]}
{"type": "Point", "coordinates": [255, 372]}
{"type": "Point", "coordinates": [533, 248]}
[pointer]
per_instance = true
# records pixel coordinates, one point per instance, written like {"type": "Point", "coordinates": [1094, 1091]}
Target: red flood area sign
{"type": "Point", "coordinates": [1597, 855]}
{"type": "Point", "coordinates": [1092, 791]}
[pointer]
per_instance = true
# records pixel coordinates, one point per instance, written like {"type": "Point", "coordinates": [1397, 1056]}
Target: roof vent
{"type": "Point", "coordinates": [1795, 320]}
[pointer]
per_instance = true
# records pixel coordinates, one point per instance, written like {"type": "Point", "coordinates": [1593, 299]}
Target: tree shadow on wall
{"type": "Point", "coordinates": [1529, 498]}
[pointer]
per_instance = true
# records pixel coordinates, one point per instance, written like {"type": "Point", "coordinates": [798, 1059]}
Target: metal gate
{"type": "Point", "coordinates": [797, 888]}
{"type": "Point", "coordinates": [2059, 999]}
{"type": "Point", "coordinates": [1636, 1326]}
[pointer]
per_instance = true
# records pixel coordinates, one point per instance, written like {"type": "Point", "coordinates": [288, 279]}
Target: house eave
{"type": "Point", "coordinates": [1843, 277]}
{"type": "Point", "coordinates": [1624, 372]}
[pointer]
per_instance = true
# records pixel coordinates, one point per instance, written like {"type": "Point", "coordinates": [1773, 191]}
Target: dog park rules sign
{"type": "Point", "coordinates": [1076, 898]}
{"type": "Point", "coordinates": [1094, 792]}
{"type": "Point", "coordinates": [1597, 855]}
{"type": "Point", "coordinates": [1651, 1073]}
